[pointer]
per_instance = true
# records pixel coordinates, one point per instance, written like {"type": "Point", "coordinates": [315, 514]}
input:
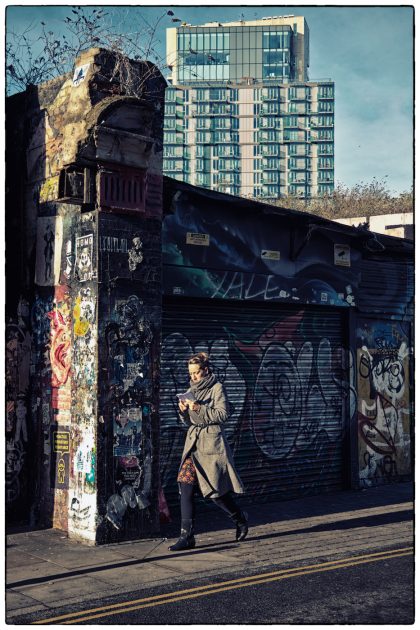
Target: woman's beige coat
{"type": "Point", "coordinates": [207, 445]}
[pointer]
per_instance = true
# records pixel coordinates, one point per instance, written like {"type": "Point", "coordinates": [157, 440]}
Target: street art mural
{"type": "Point", "coordinates": [238, 285]}
{"type": "Point", "coordinates": [18, 340]}
{"type": "Point", "coordinates": [384, 403]}
{"type": "Point", "coordinates": [288, 386]}
{"type": "Point", "coordinates": [48, 250]}
{"type": "Point", "coordinates": [207, 255]}
{"type": "Point", "coordinates": [135, 254]}
{"type": "Point", "coordinates": [60, 342]}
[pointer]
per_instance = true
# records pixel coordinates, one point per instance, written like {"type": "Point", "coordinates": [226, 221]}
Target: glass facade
{"type": "Point", "coordinates": [240, 120]}
{"type": "Point", "coordinates": [277, 54]}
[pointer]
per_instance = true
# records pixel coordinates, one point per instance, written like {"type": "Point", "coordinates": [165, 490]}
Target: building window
{"type": "Point", "coordinates": [326, 91]}
{"type": "Point", "coordinates": [325, 176]}
{"type": "Point", "coordinates": [326, 106]}
{"type": "Point", "coordinates": [325, 189]}
{"type": "Point", "coordinates": [325, 149]}
{"type": "Point", "coordinates": [170, 95]}
{"type": "Point", "coordinates": [324, 162]}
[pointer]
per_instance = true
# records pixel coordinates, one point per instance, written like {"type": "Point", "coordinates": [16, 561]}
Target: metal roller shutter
{"type": "Point", "coordinates": [284, 371]}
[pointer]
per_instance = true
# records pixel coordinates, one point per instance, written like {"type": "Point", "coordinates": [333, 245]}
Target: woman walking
{"type": "Point", "coordinates": [207, 460]}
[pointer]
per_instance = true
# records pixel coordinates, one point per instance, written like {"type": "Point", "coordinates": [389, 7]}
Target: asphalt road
{"type": "Point", "coordinates": [374, 588]}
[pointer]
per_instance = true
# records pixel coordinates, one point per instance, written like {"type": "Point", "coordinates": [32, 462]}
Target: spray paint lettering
{"type": "Point", "coordinates": [288, 411]}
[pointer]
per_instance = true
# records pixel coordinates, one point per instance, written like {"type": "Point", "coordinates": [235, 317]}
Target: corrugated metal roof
{"type": "Point", "coordinates": [392, 244]}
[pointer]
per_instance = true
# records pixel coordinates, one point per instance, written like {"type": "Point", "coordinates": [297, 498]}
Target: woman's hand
{"type": "Point", "coordinates": [182, 406]}
{"type": "Point", "coordinates": [193, 405]}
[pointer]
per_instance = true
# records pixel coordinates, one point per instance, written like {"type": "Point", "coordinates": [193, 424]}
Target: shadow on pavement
{"type": "Point", "coordinates": [210, 518]}
{"type": "Point", "coordinates": [352, 523]}
{"type": "Point", "coordinates": [119, 565]}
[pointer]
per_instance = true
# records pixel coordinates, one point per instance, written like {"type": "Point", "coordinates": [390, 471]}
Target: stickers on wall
{"type": "Point", "coordinates": [84, 257]}
{"type": "Point", "coordinates": [195, 238]}
{"type": "Point", "coordinates": [270, 254]}
{"type": "Point", "coordinates": [127, 432]}
{"type": "Point", "coordinates": [342, 255]}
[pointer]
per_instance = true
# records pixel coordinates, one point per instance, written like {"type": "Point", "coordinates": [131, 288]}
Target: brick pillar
{"type": "Point", "coordinates": [94, 201]}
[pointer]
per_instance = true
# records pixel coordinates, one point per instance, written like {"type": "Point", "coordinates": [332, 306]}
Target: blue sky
{"type": "Point", "coordinates": [366, 50]}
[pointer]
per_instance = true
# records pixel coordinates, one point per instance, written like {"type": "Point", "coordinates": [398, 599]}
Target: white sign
{"type": "Point", "coordinates": [195, 238]}
{"type": "Point", "coordinates": [80, 74]}
{"type": "Point", "coordinates": [342, 255]}
{"type": "Point", "coordinates": [269, 254]}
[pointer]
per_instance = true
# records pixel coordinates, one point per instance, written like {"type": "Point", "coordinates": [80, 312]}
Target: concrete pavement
{"type": "Point", "coordinates": [45, 570]}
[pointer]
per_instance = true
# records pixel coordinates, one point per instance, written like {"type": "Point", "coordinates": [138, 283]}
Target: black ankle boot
{"type": "Point", "coordinates": [186, 539]}
{"type": "Point", "coordinates": [241, 520]}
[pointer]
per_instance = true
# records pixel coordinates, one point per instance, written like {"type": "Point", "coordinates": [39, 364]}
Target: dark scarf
{"type": "Point", "coordinates": [205, 383]}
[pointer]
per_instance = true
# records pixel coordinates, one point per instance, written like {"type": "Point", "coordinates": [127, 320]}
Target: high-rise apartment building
{"type": "Point", "coordinates": [241, 114]}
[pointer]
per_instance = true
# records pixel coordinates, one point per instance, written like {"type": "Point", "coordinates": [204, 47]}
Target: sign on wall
{"type": "Point", "coordinates": [60, 450]}
{"type": "Point", "coordinates": [342, 255]}
{"type": "Point", "coordinates": [195, 238]}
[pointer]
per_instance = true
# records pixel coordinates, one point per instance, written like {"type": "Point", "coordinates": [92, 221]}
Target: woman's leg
{"type": "Point", "coordinates": [187, 501]}
{"type": "Point", "coordinates": [186, 539]}
{"type": "Point", "coordinates": [228, 504]}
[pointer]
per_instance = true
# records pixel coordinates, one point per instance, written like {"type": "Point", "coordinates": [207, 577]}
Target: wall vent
{"type": "Point", "coordinates": [123, 189]}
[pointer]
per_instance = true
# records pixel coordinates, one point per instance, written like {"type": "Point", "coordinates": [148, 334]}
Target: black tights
{"type": "Point", "coordinates": [187, 501]}
{"type": "Point", "coordinates": [226, 502]}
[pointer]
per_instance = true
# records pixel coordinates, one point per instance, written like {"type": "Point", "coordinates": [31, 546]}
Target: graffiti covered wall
{"type": "Point", "coordinates": [80, 261]}
{"type": "Point", "coordinates": [20, 436]}
{"type": "Point", "coordinates": [130, 315]}
{"type": "Point", "coordinates": [212, 251]}
{"type": "Point", "coordinates": [63, 383]}
{"type": "Point", "coordinates": [384, 384]}
{"type": "Point", "coordinates": [286, 380]}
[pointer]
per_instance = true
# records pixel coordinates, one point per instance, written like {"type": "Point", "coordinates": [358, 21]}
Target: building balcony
{"type": "Point", "coordinates": [300, 98]}
{"type": "Point", "coordinates": [320, 139]}
{"type": "Point", "coordinates": [270, 97]}
{"type": "Point", "coordinates": [318, 125]}
{"type": "Point", "coordinates": [300, 182]}
{"type": "Point", "coordinates": [270, 126]}
{"type": "Point", "coordinates": [266, 181]}
{"type": "Point", "coordinates": [263, 137]}
{"type": "Point", "coordinates": [269, 111]}
{"type": "Point", "coordinates": [266, 168]}
{"type": "Point", "coordinates": [298, 168]}
{"type": "Point", "coordinates": [266, 153]}
{"type": "Point", "coordinates": [177, 140]}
